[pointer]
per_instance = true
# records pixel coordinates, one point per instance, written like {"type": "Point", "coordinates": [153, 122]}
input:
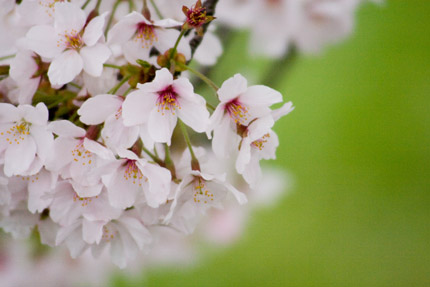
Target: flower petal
{"type": "Point", "coordinates": [65, 67]}
{"type": "Point", "coordinates": [66, 128]}
{"type": "Point", "coordinates": [18, 157]}
{"type": "Point", "coordinates": [161, 125]}
{"type": "Point", "coordinates": [43, 40]}
{"type": "Point", "coordinates": [232, 88]}
{"type": "Point", "coordinates": [136, 108]}
{"type": "Point", "coordinates": [194, 113]}
{"type": "Point", "coordinates": [68, 17]}
{"type": "Point", "coordinates": [94, 29]}
{"type": "Point", "coordinates": [94, 57]}
{"type": "Point", "coordinates": [97, 109]}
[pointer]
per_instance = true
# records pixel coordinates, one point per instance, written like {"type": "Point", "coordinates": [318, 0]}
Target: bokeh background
{"type": "Point", "coordinates": [358, 148]}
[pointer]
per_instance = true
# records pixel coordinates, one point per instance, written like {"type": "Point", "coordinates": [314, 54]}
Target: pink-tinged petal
{"type": "Point", "coordinates": [260, 127]}
{"type": "Point", "coordinates": [98, 149]}
{"type": "Point", "coordinates": [43, 40]}
{"type": "Point", "coordinates": [92, 231]}
{"type": "Point", "coordinates": [167, 23]}
{"type": "Point", "coordinates": [134, 50]}
{"type": "Point", "coordinates": [117, 253]}
{"type": "Point", "coordinates": [18, 157]}
{"type": "Point", "coordinates": [97, 109]}
{"type": "Point", "coordinates": [86, 191]}
{"type": "Point", "coordinates": [66, 128]}
{"type": "Point", "coordinates": [48, 232]}
{"type": "Point", "coordinates": [260, 96]}
{"type": "Point", "coordinates": [94, 57]}
{"type": "Point", "coordinates": [136, 108]}
{"type": "Point", "coordinates": [116, 135]}
{"type": "Point", "coordinates": [215, 119]}
{"type": "Point", "coordinates": [159, 179]}
{"type": "Point", "coordinates": [122, 192]}
{"type": "Point", "coordinates": [161, 125]}
{"type": "Point", "coordinates": [38, 115]}
{"type": "Point", "coordinates": [184, 88]}
{"type": "Point", "coordinates": [269, 150]}
{"type": "Point", "coordinates": [8, 113]}
{"type": "Point", "coordinates": [282, 111]}
{"type": "Point", "coordinates": [61, 153]}
{"type": "Point", "coordinates": [28, 90]}
{"type": "Point", "coordinates": [65, 67]}
{"type": "Point", "coordinates": [65, 232]}
{"type": "Point", "coordinates": [225, 138]}
{"type": "Point", "coordinates": [148, 142]}
{"type": "Point", "coordinates": [209, 50]}
{"type": "Point", "coordinates": [137, 230]}
{"type": "Point", "coordinates": [94, 29]}
{"type": "Point", "coordinates": [125, 29]}
{"type": "Point", "coordinates": [23, 66]}
{"type": "Point", "coordinates": [44, 141]}
{"type": "Point", "coordinates": [194, 113]}
{"type": "Point", "coordinates": [240, 196]}
{"type": "Point", "coordinates": [252, 172]}
{"type": "Point", "coordinates": [232, 88]}
{"type": "Point", "coordinates": [163, 79]}
{"type": "Point", "coordinates": [39, 185]}
{"type": "Point", "coordinates": [244, 155]}
{"type": "Point", "coordinates": [68, 17]}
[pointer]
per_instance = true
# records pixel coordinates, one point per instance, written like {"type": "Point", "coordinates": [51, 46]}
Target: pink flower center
{"type": "Point", "coordinates": [145, 34]}
{"type": "Point", "coordinates": [201, 194]}
{"type": "Point", "coordinates": [237, 111]}
{"type": "Point", "coordinates": [133, 173]}
{"type": "Point", "coordinates": [71, 40]}
{"type": "Point", "coordinates": [167, 101]}
{"type": "Point", "coordinates": [260, 142]}
{"type": "Point", "coordinates": [18, 133]}
{"type": "Point", "coordinates": [80, 154]}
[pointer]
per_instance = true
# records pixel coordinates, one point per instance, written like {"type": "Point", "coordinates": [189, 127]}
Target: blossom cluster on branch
{"type": "Point", "coordinates": [103, 138]}
{"type": "Point", "coordinates": [89, 157]}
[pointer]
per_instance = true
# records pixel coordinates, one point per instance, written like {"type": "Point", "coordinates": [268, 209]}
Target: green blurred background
{"type": "Point", "coordinates": [358, 147]}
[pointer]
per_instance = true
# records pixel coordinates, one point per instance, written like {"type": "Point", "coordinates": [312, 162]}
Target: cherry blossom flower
{"type": "Point", "coordinates": [133, 177]}
{"type": "Point", "coordinates": [73, 158]}
{"type": "Point", "coordinates": [239, 105]}
{"type": "Point", "coordinates": [138, 35]}
{"type": "Point", "coordinates": [160, 103]}
{"type": "Point", "coordinates": [24, 139]}
{"type": "Point", "coordinates": [70, 44]}
{"type": "Point", "coordinates": [23, 70]}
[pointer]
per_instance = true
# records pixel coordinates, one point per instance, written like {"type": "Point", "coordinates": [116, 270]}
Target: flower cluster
{"type": "Point", "coordinates": [95, 122]}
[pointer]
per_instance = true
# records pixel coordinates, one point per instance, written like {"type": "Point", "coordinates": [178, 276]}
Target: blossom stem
{"type": "Point", "coordinates": [157, 11]}
{"type": "Point", "coordinates": [153, 156]}
{"type": "Point", "coordinates": [112, 66]}
{"type": "Point", "coordinates": [98, 5]}
{"type": "Point", "coordinates": [75, 85]}
{"type": "Point", "coordinates": [7, 57]}
{"type": "Point", "coordinates": [168, 162]}
{"type": "Point", "coordinates": [85, 4]}
{"type": "Point", "coordinates": [130, 6]}
{"type": "Point", "coordinates": [112, 14]}
{"type": "Point", "coordinates": [200, 75]}
{"type": "Point", "coordinates": [173, 51]}
{"type": "Point", "coordinates": [117, 86]}
{"type": "Point", "coordinates": [127, 91]}
{"type": "Point", "coordinates": [194, 161]}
